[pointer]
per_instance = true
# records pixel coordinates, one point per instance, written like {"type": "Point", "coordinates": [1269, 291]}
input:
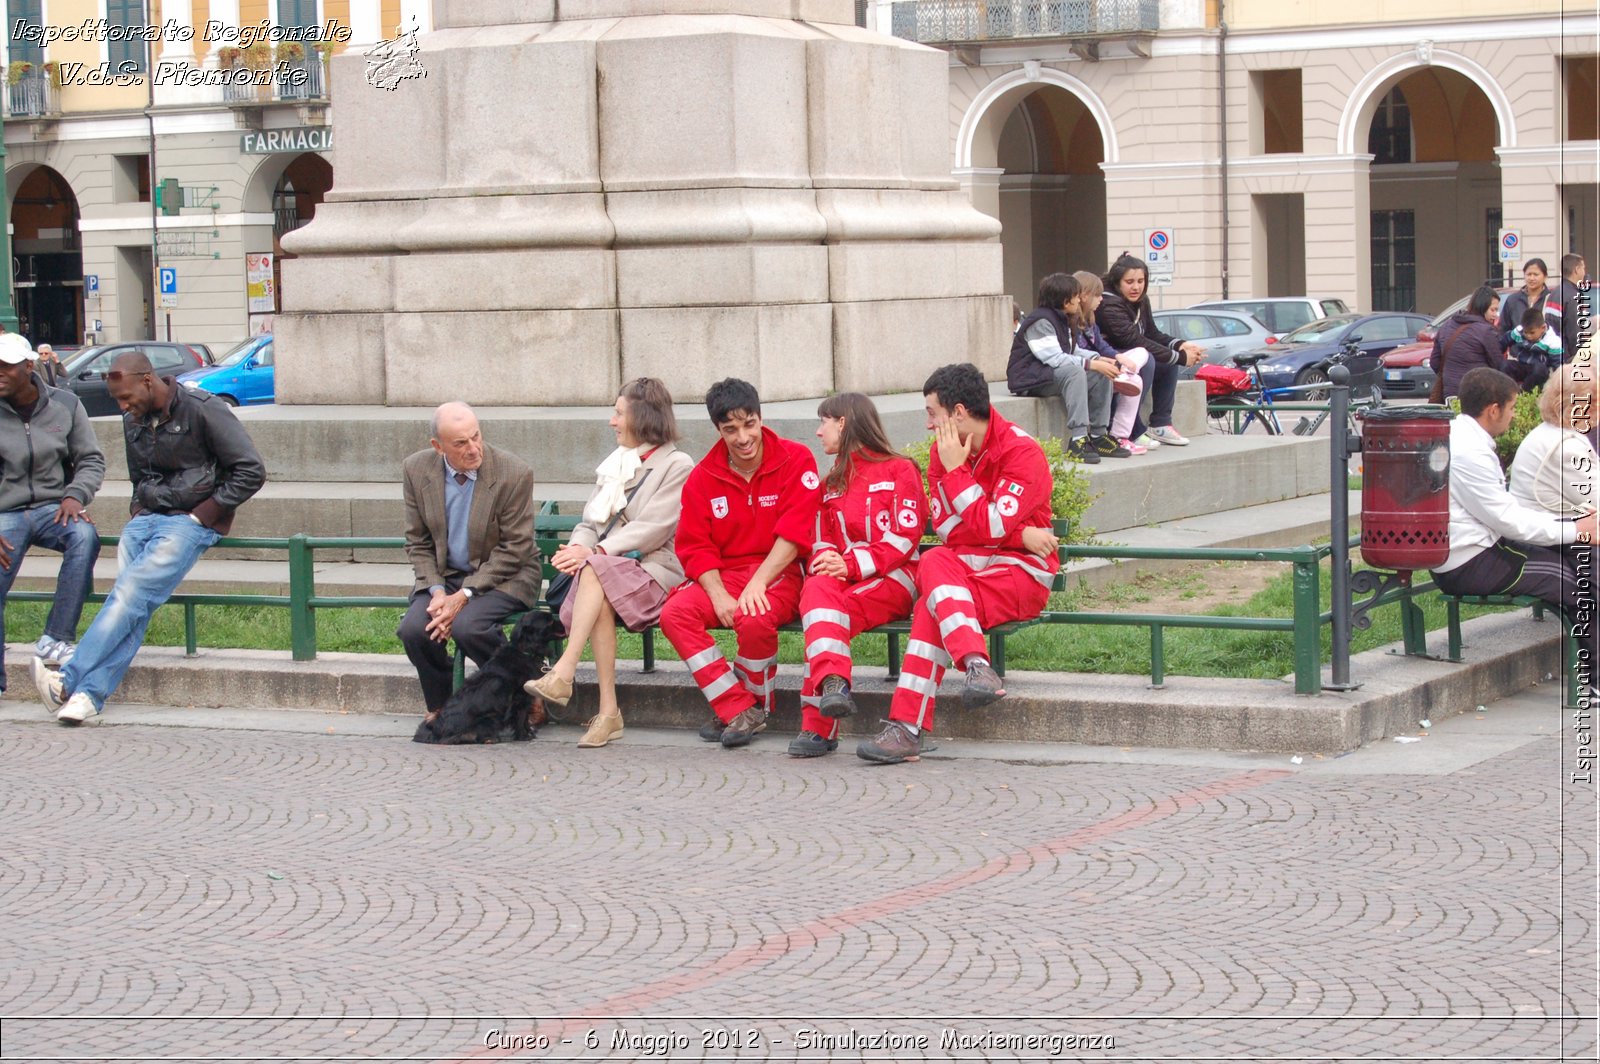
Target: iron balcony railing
{"type": "Point", "coordinates": [945, 21]}
{"type": "Point", "coordinates": [32, 96]}
{"type": "Point", "coordinates": [304, 79]}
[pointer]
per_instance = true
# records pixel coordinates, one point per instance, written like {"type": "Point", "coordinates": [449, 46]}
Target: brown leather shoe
{"type": "Point", "coordinates": [743, 728]}
{"type": "Point", "coordinates": [893, 745]}
{"type": "Point", "coordinates": [601, 731]}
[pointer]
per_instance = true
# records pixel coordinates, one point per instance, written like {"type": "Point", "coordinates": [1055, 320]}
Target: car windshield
{"type": "Point", "coordinates": [236, 354]}
{"type": "Point", "coordinates": [1321, 329]}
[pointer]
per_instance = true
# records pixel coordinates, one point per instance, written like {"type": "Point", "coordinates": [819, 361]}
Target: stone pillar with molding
{"type": "Point", "coordinates": [687, 189]}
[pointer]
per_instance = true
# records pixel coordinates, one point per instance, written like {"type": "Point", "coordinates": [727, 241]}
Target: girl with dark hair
{"type": "Point", "coordinates": [621, 555]}
{"type": "Point", "coordinates": [1465, 342]}
{"type": "Point", "coordinates": [1533, 293]}
{"type": "Point", "coordinates": [862, 570]}
{"type": "Point", "coordinates": [1126, 321]}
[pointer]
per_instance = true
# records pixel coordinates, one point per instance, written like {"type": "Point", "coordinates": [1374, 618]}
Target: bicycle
{"type": "Point", "coordinates": [1257, 403]}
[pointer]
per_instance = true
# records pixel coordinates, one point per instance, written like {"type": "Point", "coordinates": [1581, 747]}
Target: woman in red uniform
{"type": "Point", "coordinates": [863, 563]}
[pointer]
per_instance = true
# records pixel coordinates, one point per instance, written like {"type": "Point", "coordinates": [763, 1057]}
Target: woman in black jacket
{"type": "Point", "coordinates": [1468, 340]}
{"type": "Point", "coordinates": [1125, 321]}
{"type": "Point", "coordinates": [1533, 293]}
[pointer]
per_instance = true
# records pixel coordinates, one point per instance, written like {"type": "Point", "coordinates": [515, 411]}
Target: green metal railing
{"type": "Point", "coordinates": [1304, 626]}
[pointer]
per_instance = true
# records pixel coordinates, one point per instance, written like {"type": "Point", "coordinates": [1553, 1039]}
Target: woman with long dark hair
{"type": "Point", "coordinates": [1468, 340]}
{"type": "Point", "coordinates": [862, 568]}
{"type": "Point", "coordinates": [1126, 321]}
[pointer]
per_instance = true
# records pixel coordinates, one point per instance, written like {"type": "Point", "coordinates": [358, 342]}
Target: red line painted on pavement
{"type": "Point", "coordinates": [815, 931]}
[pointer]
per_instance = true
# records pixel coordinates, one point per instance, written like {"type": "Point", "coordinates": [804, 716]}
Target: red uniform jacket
{"type": "Point", "coordinates": [877, 522]}
{"type": "Point", "coordinates": [980, 508]}
{"type": "Point", "coordinates": [729, 522]}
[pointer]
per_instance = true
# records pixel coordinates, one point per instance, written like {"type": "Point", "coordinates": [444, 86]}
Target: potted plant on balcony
{"type": "Point", "coordinates": [230, 58]}
{"type": "Point", "coordinates": [52, 71]}
{"type": "Point", "coordinates": [17, 71]}
{"type": "Point", "coordinates": [258, 56]}
{"type": "Point", "coordinates": [291, 52]}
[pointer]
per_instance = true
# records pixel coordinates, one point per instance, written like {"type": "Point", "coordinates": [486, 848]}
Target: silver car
{"type": "Point", "coordinates": [1223, 333]}
{"type": "Point", "coordinates": [1281, 314]}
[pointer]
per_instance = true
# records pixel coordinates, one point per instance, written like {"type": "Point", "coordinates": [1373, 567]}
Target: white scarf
{"type": "Point", "coordinates": [611, 480]}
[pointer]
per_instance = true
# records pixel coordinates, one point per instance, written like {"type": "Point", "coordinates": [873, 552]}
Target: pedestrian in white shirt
{"type": "Point", "coordinates": [1555, 465]}
{"type": "Point", "coordinates": [1499, 545]}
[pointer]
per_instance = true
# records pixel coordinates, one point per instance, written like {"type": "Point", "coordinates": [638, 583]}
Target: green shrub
{"type": "Point", "coordinates": [1070, 497]}
{"type": "Point", "coordinates": [1524, 422]}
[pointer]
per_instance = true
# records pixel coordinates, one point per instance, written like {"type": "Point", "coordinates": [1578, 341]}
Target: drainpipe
{"type": "Point", "coordinates": [155, 241]}
{"type": "Point", "coordinates": [1222, 130]}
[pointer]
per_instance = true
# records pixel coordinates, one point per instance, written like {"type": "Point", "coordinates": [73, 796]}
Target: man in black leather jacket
{"type": "Point", "coordinates": [192, 464]}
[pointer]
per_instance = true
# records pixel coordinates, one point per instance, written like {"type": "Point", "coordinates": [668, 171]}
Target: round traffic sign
{"type": "Point", "coordinates": [1159, 240]}
{"type": "Point", "coordinates": [1510, 241]}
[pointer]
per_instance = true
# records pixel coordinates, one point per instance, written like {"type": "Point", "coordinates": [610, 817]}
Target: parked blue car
{"type": "Point", "coordinates": [242, 377]}
{"type": "Point", "coordinates": [1295, 358]}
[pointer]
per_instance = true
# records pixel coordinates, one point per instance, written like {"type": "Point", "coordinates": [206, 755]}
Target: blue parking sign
{"type": "Point", "coordinates": [91, 283]}
{"type": "Point", "coordinates": [169, 281]}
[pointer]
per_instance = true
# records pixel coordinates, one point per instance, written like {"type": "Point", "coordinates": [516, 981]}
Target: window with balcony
{"type": "Point", "coordinates": [1580, 77]}
{"type": "Point", "coordinates": [1278, 126]}
{"type": "Point", "coordinates": [126, 55]}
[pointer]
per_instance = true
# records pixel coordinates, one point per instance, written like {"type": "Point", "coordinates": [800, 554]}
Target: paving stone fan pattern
{"type": "Point", "coordinates": [193, 894]}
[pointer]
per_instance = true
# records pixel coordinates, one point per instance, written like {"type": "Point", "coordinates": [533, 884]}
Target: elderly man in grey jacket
{"type": "Point", "coordinates": [50, 469]}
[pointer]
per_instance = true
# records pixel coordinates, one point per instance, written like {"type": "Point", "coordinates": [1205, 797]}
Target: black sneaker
{"type": "Point", "coordinates": [810, 744]}
{"type": "Point", "coordinates": [743, 728]}
{"type": "Point", "coordinates": [1106, 447]}
{"type": "Point", "coordinates": [836, 700]}
{"type": "Point", "coordinates": [983, 687]}
{"type": "Point", "coordinates": [711, 731]}
{"type": "Point", "coordinates": [893, 745]}
{"type": "Point", "coordinates": [1080, 449]}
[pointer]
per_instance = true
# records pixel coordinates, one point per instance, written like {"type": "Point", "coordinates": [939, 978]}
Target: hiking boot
{"type": "Point", "coordinates": [810, 744]}
{"type": "Point", "coordinates": [1106, 447]}
{"type": "Point", "coordinates": [743, 728]}
{"type": "Point", "coordinates": [836, 700]}
{"type": "Point", "coordinates": [1080, 449]}
{"type": "Point", "coordinates": [711, 731]}
{"type": "Point", "coordinates": [983, 686]}
{"type": "Point", "coordinates": [893, 745]}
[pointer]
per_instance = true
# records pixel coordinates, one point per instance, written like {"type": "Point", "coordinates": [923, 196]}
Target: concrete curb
{"type": "Point", "coordinates": [1508, 653]}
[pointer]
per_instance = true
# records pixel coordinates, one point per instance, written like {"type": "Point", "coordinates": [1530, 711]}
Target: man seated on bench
{"type": "Point", "coordinates": [749, 509]}
{"type": "Point", "coordinates": [1498, 545]}
{"type": "Point", "coordinates": [987, 481]}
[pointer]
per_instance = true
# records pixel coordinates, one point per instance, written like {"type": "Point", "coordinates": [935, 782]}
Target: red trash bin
{"type": "Point", "coordinates": [1405, 487]}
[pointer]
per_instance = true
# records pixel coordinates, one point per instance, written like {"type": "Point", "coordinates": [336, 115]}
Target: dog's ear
{"type": "Point", "coordinates": [533, 629]}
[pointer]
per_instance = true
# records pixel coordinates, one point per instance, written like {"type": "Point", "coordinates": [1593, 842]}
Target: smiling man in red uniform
{"type": "Point", "coordinates": [749, 509]}
{"type": "Point", "coordinates": [988, 482]}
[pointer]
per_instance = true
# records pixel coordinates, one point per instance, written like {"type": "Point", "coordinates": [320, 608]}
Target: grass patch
{"type": "Point", "coordinates": [1049, 648]}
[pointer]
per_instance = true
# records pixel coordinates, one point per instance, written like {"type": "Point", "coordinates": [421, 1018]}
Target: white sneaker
{"type": "Point", "coordinates": [1147, 441]}
{"type": "Point", "coordinates": [48, 681]}
{"type": "Point", "coordinates": [78, 709]}
{"type": "Point", "coordinates": [1169, 437]}
{"type": "Point", "coordinates": [62, 653]}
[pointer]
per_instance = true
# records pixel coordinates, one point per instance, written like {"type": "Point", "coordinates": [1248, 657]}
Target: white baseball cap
{"type": "Point", "coordinates": [14, 348]}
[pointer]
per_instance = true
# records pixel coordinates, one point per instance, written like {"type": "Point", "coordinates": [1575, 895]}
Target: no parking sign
{"type": "Point", "coordinates": [1510, 245]}
{"type": "Point", "coordinates": [1158, 255]}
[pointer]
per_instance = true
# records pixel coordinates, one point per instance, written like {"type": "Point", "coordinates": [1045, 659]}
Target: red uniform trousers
{"type": "Point", "coordinates": [832, 613]}
{"type": "Point", "coordinates": [956, 605]}
{"type": "Point", "coordinates": [687, 620]}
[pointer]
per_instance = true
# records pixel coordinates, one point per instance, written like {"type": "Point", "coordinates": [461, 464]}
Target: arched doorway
{"type": "Point", "coordinates": [1053, 192]}
{"type": "Point", "coordinates": [1435, 189]}
{"type": "Point", "coordinates": [290, 187]}
{"type": "Point", "coordinates": [46, 256]}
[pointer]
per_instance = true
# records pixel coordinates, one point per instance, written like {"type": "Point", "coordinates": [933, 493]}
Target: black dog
{"type": "Point", "coordinates": [492, 700]}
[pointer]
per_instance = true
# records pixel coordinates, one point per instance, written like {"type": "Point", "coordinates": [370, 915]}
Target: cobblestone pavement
{"type": "Point", "coordinates": [200, 893]}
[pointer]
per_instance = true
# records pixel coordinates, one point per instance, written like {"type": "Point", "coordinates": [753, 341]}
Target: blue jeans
{"type": "Point", "coordinates": [155, 553]}
{"type": "Point", "coordinates": [79, 545]}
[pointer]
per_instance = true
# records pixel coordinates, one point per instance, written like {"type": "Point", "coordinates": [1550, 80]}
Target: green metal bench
{"type": "Point", "coordinates": [1570, 644]}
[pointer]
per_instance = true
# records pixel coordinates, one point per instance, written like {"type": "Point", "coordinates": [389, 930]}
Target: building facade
{"type": "Point", "coordinates": [234, 141]}
{"type": "Point", "coordinates": [1366, 150]}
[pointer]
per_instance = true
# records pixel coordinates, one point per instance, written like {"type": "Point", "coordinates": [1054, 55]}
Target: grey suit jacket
{"type": "Point", "coordinates": [502, 552]}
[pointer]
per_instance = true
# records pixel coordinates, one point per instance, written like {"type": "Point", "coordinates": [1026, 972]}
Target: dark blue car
{"type": "Point", "coordinates": [242, 377]}
{"type": "Point", "coordinates": [1294, 359]}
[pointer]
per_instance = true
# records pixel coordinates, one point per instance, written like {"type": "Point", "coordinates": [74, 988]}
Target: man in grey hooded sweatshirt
{"type": "Point", "coordinates": [50, 469]}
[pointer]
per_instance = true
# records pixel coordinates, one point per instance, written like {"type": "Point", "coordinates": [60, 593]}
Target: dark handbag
{"type": "Point", "coordinates": [561, 584]}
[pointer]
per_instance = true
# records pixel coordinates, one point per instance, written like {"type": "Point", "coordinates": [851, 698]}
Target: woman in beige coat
{"type": "Point", "coordinates": [632, 514]}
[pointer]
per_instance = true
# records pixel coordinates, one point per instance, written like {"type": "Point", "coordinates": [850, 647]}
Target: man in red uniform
{"type": "Point", "coordinates": [749, 508]}
{"type": "Point", "coordinates": [988, 481]}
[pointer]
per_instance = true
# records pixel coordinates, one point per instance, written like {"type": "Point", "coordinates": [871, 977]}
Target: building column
{"type": "Point", "coordinates": [982, 186]}
{"type": "Point", "coordinates": [1531, 198]}
{"type": "Point", "coordinates": [181, 14]}
{"type": "Point", "coordinates": [366, 24]}
{"type": "Point", "coordinates": [227, 13]}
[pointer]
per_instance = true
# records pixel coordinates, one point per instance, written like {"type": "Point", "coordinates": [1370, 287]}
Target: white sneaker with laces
{"type": "Point", "coordinates": [77, 709]}
{"type": "Point", "coordinates": [48, 682]}
{"type": "Point", "coordinates": [1169, 436]}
